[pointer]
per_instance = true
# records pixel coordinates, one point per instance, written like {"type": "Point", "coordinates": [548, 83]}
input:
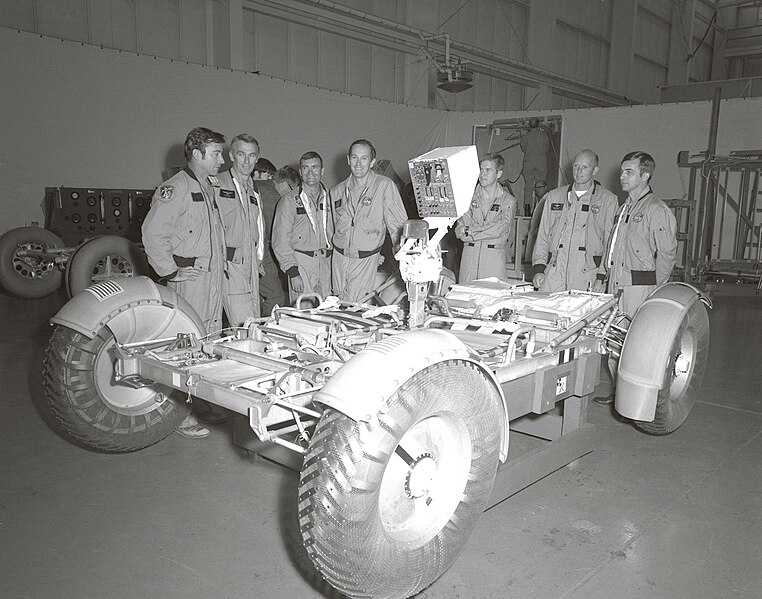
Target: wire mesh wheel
{"type": "Point", "coordinates": [386, 506]}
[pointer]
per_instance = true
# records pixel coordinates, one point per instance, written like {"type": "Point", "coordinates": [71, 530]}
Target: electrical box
{"type": "Point", "coordinates": [444, 180]}
{"type": "Point", "coordinates": [76, 213]}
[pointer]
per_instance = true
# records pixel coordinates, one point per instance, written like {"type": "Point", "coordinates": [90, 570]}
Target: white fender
{"type": "Point", "coordinates": [360, 387]}
{"type": "Point", "coordinates": [647, 345]}
{"type": "Point", "coordinates": [133, 308]}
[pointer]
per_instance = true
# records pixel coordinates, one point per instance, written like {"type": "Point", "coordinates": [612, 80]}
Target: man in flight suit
{"type": "Point", "coordinates": [241, 213]}
{"type": "Point", "coordinates": [184, 239]}
{"type": "Point", "coordinates": [642, 249]}
{"type": "Point", "coordinates": [271, 291]}
{"type": "Point", "coordinates": [484, 228]}
{"type": "Point", "coordinates": [365, 206]}
{"type": "Point", "coordinates": [575, 225]}
{"type": "Point", "coordinates": [302, 232]}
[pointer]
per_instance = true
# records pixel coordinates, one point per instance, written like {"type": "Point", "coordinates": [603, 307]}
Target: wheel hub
{"type": "Point", "coordinates": [682, 364]}
{"type": "Point", "coordinates": [30, 267]}
{"type": "Point", "coordinates": [418, 481]}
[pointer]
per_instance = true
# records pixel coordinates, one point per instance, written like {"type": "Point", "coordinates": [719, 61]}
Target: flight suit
{"type": "Point", "coordinates": [183, 228]}
{"type": "Point", "coordinates": [642, 250]}
{"type": "Point", "coordinates": [362, 217]}
{"type": "Point", "coordinates": [572, 236]}
{"type": "Point", "coordinates": [484, 230]}
{"type": "Point", "coordinates": [302, 231]}
{"type": "Point", "coordinates": [241, 215]}
{"type": "Point", "coordinates": [271, 290]}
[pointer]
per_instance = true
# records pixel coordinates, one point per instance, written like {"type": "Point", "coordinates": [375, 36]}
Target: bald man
{"type": "Point", "coordinates": [574, 228]}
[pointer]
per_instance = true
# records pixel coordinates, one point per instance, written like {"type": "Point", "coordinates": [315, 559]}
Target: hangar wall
{"type": "Point", "coordinates": [663, 130]}
{"type": "Point", "coordinates": [79, 115]}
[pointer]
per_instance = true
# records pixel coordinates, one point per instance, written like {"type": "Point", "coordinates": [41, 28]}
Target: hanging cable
{"type": "Point", "coordinates": [462, 6]}
{"type": "Point", "coordinates": [701, 43]}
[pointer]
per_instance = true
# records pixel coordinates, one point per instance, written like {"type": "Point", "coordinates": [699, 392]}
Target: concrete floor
{"type": "Point", "coordinates": [670, 517]}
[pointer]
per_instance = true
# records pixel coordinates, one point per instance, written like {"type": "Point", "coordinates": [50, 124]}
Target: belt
{"type": "Point", "coordinates": [324, 253]}
{"type": "Point", "coordinates": [182, 261]}
{"type": "Point", "coordinates": [490, 246]}
{"type": "Point", "coordinates": [360, 253]}
{"type": "Point", "coordinates": [643, 277]}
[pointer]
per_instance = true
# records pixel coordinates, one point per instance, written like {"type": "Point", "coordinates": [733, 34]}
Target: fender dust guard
{"type": "Point", "coordinates": [133, 308]}
{"type": "Point", "coordinates": [360, 388]}
{"type": "Point", "coordinates": [649, 345]}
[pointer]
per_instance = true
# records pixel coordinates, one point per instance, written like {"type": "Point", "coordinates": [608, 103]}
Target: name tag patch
{"type": "Point", "coordinates": [557, 206]}
{"type": "Point", "coordinates": [227, 193]}
{"type": "Point", "coordinates": [197, 196]}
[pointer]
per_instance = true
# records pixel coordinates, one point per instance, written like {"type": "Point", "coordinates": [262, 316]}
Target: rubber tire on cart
{"type": "Point", "coordinates": [376, 524]}
{"type": "Point", "coordinates": [105, 257]}
{"type": "Point", "coordinates": [683, 373]}
{"type": "Point", "coordinates": [28, 277]}
{"type": "Point", "coordinates": [86, 406]}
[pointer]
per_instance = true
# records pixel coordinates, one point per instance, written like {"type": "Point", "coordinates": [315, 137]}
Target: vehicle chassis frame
{"type": "Point", "coordinates": [546, 395]}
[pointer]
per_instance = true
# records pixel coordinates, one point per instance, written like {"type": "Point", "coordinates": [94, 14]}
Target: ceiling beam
{"type": "Point", "coordinates": [365, 27]}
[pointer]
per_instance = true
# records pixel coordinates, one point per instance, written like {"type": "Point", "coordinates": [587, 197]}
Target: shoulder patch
{"type": "Point", "coordinates": [595, 208]}
{"type": "Point", "coordinates": [557, 206]}
{"type": "Point", "coordinates": [166, 192]}
{"type": "Point", "coordinates": [638, 217]}
{"type": "Point", "coordinates": [227, 193]}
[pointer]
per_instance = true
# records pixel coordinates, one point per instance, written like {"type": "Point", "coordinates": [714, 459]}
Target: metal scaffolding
{"type": "Point", "coordinates": [727, 195]}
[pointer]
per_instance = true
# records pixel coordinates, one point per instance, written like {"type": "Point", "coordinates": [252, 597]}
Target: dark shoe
{"type": "Point", "coordinates": [604, 401]}
{"type": "Point", "coordinates": [210, 417]}
{"type": "Point", "coordinates": [190, 429]}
